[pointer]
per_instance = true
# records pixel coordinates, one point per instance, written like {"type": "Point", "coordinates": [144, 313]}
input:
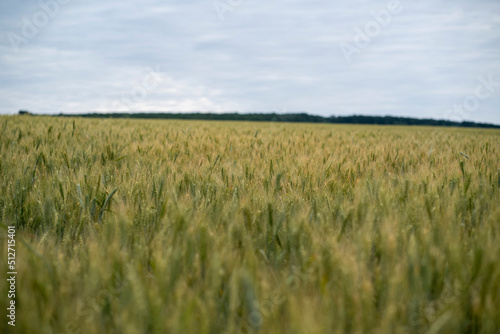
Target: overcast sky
{"type": "Point", "coordinates": [426, 58]}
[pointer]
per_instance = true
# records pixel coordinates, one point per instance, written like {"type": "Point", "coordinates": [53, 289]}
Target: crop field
{"type": "Point", "coordinates": [137, 226]}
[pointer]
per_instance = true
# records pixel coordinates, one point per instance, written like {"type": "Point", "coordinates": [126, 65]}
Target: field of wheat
{"type": "Point", "coordinates": [136, 226]}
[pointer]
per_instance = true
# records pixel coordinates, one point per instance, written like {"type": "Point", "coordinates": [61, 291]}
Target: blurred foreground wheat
{"type": "Point", "coordinates": [128, 226]}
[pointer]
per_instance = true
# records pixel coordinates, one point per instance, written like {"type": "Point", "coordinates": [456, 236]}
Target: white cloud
{"type": "Point", "coordinates": [261, 56]}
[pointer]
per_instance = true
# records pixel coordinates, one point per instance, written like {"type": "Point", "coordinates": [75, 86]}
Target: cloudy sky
{"type": "Point", "coordinates": [427, 58]}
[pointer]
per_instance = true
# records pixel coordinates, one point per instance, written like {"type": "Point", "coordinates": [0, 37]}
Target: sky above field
{"type": "Point", "coordinates": [428, 58]}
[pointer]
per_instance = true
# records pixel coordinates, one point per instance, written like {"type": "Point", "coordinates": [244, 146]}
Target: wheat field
{"type": "Point", "coordinates": [139, 226]}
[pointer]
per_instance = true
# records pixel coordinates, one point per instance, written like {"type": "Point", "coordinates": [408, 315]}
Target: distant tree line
{"type": "Point", "coordinates": [292, 118]}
